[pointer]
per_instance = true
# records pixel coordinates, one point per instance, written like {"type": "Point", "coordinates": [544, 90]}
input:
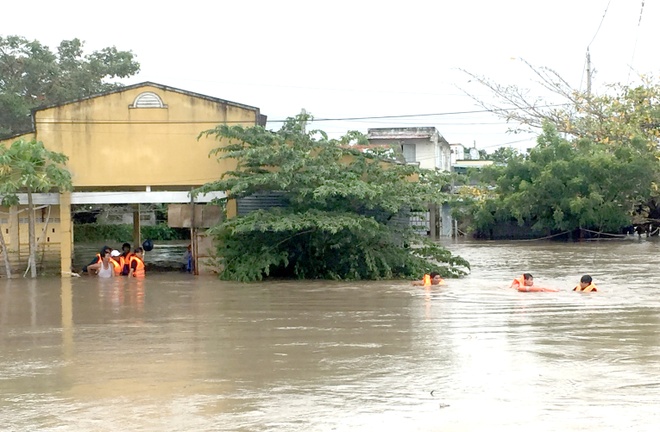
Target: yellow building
{"type": "Point", "coordinates": [135, 145]}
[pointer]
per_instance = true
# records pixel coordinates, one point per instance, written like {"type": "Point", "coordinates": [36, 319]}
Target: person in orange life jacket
{"type": "Point", "coordinates": [586, 285]}
{"type": "Point", "coordinates": [526, 280]}
{"type": "Point", "coordinates": [125, 258]}
{"type": "Point", "coordinates": [136, 263]}
{"type": "Point", "coordinates": [97, 259]}
{"type": "Point", "coordinates": [105, 268]}
{"type": "Point", "coordinates": [116, 261]}
{"type": "Point", "coordinates": [525, 283]}
{"type": "Point", "coordinates": [433, 278]}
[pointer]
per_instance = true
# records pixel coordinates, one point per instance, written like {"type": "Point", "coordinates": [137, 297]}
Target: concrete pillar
{"type": "Point", "coordinates": [66, 235]}
{"type": "Point", "coordinates": [232, 208]}
{"type": "Point", "coordinates": [14, 231]}
{"type": "Point", "coordinates": [137, 241]}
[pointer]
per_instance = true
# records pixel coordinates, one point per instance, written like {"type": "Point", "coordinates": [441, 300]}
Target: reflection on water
{"type": "Point", "coordinates": [179, 353]}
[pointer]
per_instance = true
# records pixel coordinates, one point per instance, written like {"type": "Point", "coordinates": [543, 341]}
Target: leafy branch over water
{"type": "Point", "coordinates": [342, 213]}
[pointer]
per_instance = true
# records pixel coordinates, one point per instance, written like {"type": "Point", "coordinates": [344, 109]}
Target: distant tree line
{"type": "Point", "coordinates": [32, 75]}
{"type": "Point", "coordinates": [595, 166]}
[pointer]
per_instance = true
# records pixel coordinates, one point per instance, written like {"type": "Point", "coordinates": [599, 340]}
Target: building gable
{"type": "Point", "coordinates": [140, 135]}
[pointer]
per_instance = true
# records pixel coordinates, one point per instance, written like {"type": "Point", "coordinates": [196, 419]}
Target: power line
{"type": "Point", "coordinates": [322, 119]}
{"type": "Point", "coordinates": [640, 14]}
{"type": "Point", "coordinates": [508, 143]}
{"type": "Point", "coordinates": [632, 59]}
{"type": "Point", "coordinates": [601, 23]}
{"type": "Point", "coordinates": [166, 122]}
{"type": "Point", "coordinates": [482, 111]}
{"type": "Point", "coordinates": [139, 122]}
{"type": "Point", "coordinates": [399, 116]}
{"type": "Point", "coordinates": [588, 57]}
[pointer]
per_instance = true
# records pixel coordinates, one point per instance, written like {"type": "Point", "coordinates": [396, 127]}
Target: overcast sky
{"type": "Point", "coordinates": [346, 59]}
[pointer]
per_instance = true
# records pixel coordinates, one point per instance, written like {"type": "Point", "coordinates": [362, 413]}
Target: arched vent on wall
{"type": "Point", "coordinates": [148, 100]}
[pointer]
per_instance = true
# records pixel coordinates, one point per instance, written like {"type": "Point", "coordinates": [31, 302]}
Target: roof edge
{"type": "Point", "coordinates": [150, 84]}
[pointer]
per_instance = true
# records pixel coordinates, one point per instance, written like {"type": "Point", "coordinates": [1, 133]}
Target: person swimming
{"type": "Point", "coordinates": [586, 285]}
{"type": "Point", "coordinates": [432, 278]}
{"type": "Point", "coordinates": [526, 280]}
{"type": "Point", "coordinates": [525, 283]}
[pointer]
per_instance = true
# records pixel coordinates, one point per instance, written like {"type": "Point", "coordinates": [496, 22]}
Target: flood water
{"type": "Point", "coordinates": [182, 353]}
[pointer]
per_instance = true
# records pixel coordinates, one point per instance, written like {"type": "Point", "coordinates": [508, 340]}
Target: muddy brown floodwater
{"type": "Point", "coordinates": [181, 353]}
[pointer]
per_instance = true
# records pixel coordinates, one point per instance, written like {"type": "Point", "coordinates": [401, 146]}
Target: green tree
{"type": "Point", "coordinates": [613, 117]}
{"type": "Point", "coordinates": [483, 154]}
{"type": "Point", "coordinates": [27, 166]}
{"type": "Point", "coordinates": [619, 128]}
{"type": "Point", "coordinates": [339, 218]}
{"type": "Point", "coordinates": [567, 185]}
{"type": "Point", "coordinates": [504, 154]}
{"type": "Point", "coordinates": [31, 75]}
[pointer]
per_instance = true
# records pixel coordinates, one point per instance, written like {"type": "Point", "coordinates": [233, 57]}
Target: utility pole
{"type": "Point", "coordinates": [303, 114]}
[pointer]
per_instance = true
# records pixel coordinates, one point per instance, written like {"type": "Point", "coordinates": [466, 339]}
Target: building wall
{"type": "Point", "coordinates": [426, 154]}
{"type": "Point", "coordinates": [44, 219]}
{"type": "Point", "coordinates": [110, 144]}
{"type": "Point", "coordinates": [431, 152]}
{"type": "Point", "coordinates": [444, 163]}
{"type": "Point", "coordinates": [457, 153]}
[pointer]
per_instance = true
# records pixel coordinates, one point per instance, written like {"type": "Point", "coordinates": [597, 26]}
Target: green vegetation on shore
{"type": "Point", "coordinates": [84, 233]}
{"type": "Point", "coordinates": [596, 165]}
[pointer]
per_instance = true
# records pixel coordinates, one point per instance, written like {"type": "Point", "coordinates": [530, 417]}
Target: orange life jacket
{"type": "Point", "coordinates": [520, 281]}
{"type": "Point", "coordinates": [116, 266]}
{"type": "Point", "coordinates": [427, 280]}
{"type": "Point", "coordinates": [589, 288]}
{"type": "Point", "coordinates": [125, 263]}
{"type": "Point", "coordinates": [139, 267]}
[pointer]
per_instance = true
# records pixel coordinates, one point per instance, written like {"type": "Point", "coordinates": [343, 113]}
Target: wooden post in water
{"type": "Point", "coordinates": [66, 235]}
{"type": "Point", "coordinates": [137, 240]}
{"type": "Point", "coordinates": [193, 234]}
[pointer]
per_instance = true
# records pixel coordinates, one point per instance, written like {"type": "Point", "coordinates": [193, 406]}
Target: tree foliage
{"type": "Point", "coordinates": [31, 75]}
{"type": "Point", "coordinates": [28, 167]}
{"type": "Point", "coordinates": [503, 155]}
{"type": "Point", "coordinates": [613, 117]}
{"type": "Point", "coordinates": [565, 185]}
{"type": "Point", "coordinates": [341, 212]}
{"type": "Point", "coordinates": [595, 165]}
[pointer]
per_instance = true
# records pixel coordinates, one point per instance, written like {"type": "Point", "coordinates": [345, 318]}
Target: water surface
{"type": "Point", "coordinates": [182, 353]}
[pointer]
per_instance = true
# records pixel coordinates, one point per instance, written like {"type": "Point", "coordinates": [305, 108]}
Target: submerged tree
{"type": "Point", "coordinates": [342, 211]}
{"type": "Point", "coordinates": [596, 164]}
{"type": "Point", "coordinates": [567, 185]}
{"type": "Point", "coordinates": [28, 167]}
{"type": "Point", "coordinates": [31, 75]}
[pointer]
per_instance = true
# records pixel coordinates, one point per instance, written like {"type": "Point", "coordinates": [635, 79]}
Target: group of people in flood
{"type": "Point", "coordinates": [524, 283]}
{"type": "Point", "coordinates": [110, 262]}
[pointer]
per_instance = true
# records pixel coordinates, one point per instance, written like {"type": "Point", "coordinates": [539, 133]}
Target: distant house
{"type": "Point", "coordinates": [462, 166]}
{"type": "Point", "coordinates": [457, 152]}
{"type": "Point", "coordinates": [426, 147]}
{"type": "Point", "coordinates": [422, 145]}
